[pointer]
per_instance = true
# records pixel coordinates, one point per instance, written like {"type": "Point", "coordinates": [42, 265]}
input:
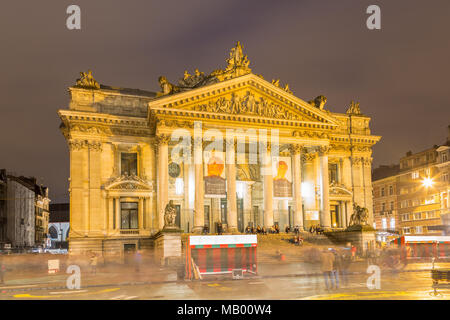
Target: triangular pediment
{"type": "Point", "coordinates": [128, 183]}
{"type": "Point", "coordinates": [248, 95]}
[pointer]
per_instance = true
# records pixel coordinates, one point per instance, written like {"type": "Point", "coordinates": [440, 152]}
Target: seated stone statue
{"type": "Point", "coordinates": [170, 214]}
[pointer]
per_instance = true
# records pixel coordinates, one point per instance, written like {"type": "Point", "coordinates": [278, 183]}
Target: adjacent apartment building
{"type": "Point", "coordinates": [24, 212]}
{"type": "Point", "coordinates": [411, 198]}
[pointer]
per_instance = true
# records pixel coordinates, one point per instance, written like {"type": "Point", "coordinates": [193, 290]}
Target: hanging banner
{"type": "Point", "coordinates": [215, 182]}
{"type": "Point", "coordinates": [282, 177]}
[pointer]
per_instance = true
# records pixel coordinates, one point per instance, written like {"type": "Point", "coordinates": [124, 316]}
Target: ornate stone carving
{"type": "Point", "coordinates": [276, 83]}
{"type": "Point", "coordinates": [87, 81]}
{"type": "Point", "coordinates": [237, 66]}
{"type": "Point", "coordinates": [367, 161]}
{"type": "Point", "coordinates": [307, 157]}
{"type": "Point", "coordinates": [162, 139]}
{"type": "Point", "coordinates": [354, 108]}
{"type": "Point", "coordinates": [359, 217]}
{"type": "Point", "coordinates": [248, 105]}
{"type": "Point", "coordinates": [85, 144]}
{"type": "Point", "coordinates": [128, 182]}
{"type": "Point", "coordinates": [295, 148]}
{"type": "Point", "coordinates": [310, 134]}
{"type": "Point", "coordinates": [318, 102]}
{"type": "Point", "coordinates": [356, 160]}
{"type": "Point", "coordinates": [170, 214]}
{"type": "Point", "coordinates": [323, 150]}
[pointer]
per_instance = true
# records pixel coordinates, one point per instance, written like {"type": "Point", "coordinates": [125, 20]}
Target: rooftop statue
{"type": "Point", "coordinates": [318, 102]}
{"type": "Point", "coordinates": [87, 81]}
{"type": "Point", "coordinates": [354, 108]}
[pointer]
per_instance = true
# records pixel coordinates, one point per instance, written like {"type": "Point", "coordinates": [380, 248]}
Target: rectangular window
{"type": "Point", "coordinates": [383, 207]}
{"type": "Point", "coordinates": [392, 224]}
{"type": "Point", "coordinates": [391, 190]}
{"type": "Point", "coordinates": [128, 164]}
{"type": "Point", "coordinates": [128, 215]}
{"type": "Point", "coordinates": [419, 229]}
{"type": "Point", "coordinates": [418, 216]}
{"type": "Point", "coordinates": [444, 157]}
{"type": "Point", "coordinates": [415, 175]}
{"type": "Point", "coordinates": [392, 205]}
{"type": "Point", "coordinates": [382, 192]}
{"type": "Point", "coordinates": [333, 172]}
{"type": "Point", "coordinates": [384, 223]}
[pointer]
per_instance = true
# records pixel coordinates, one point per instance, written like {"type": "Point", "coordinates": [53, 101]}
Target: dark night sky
{"type": "Point", "coordinates": [399, 74]}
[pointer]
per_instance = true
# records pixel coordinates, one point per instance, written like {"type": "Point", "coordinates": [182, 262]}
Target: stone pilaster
{"type": "Point", "coordinates": [268, 188]}
{"type": "Point", "coordinates": [162, 142]}
{"type": "Point", "coordinates": [325, 218]}
{"type": "Point", "coordinates": [199, 205]}
{"type": "Point", "coordinates": [296, 151]}
{"type": "Point", "coordinates": [231, 186]}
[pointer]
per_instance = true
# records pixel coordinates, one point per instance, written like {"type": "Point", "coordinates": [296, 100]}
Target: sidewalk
{"type": "Point", "coordinates": [126, 275]}
{"type": "Point", "coordinates": [117, 275]}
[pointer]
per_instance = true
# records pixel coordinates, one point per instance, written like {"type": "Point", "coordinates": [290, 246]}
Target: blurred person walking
{"type": "Point", "coordinates": [137, 261]}
{"type": "Point", "coordinates": [346, 260]}
{"type": "Point", "coordinates": [327, 261]}
{"type": "Point", "coordinates": [337, 267]}
{"type": "Point", "coordinates": [93, 263]}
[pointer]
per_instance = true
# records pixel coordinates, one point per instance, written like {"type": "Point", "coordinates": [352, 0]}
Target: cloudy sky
{"type": "Point", "coordinates": [399, 74]}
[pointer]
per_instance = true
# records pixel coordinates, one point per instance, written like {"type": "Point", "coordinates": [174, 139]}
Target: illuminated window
{"type": "Point", "coordinates": [392, 224]}
{"type": "Point", "coordinates": [415, 175]}
{"type": "Point", "coordinates": [419, 229]}
{"type": "Point", "coordinates": [384, 223]}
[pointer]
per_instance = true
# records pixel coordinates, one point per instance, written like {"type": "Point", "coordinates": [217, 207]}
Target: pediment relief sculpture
{"type": "Point", "coordinates": [248, 104]}
{"type": "Point", "coordinates": [128, 182]}
{"type": "Point", "coordinates": [339, 189]}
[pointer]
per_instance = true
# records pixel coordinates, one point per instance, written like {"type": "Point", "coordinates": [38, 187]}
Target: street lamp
{"type": "Point", "coordinates": [427, 182]}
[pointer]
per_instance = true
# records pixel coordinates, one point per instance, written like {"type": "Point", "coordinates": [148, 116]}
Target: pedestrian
{"type": "Point", "coordinates": [327, 260]}
{"type": "Point", "coordinates": [137, 261]}
{"type": "Point", "coordinates": [219, 228]}
{"type": "Point", "coordinates": [346, 260]}
{"type": "Point", "coordinates": [263, 230]}
{"type": "Point", "coordinates": [337, 267]}
{"type": "Point", "coordinates": [94, 260]}
{"type": "Point", "coordinates": [287, 229]}
{"type": "Point", "coordinates": [353, 253]}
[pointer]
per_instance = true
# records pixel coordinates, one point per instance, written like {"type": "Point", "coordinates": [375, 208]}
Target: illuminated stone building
{"type": "Point", "coordinates": [413, 200]}
{"type": "Point", "coordinates": [124, 157]}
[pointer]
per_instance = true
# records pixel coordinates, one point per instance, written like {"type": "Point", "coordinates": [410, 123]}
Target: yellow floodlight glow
{"type": "Point", "coordinates": [427, 182]}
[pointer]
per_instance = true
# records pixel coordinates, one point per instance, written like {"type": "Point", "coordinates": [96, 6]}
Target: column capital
{"type": "Point", "coordinates": [307, 157]}
{"type": "Point", "coordinates": [296, 148]}
{"type": "Point", "coordinates": [162, 139]}
{"type": "Point", "coordinates": [323, 150]}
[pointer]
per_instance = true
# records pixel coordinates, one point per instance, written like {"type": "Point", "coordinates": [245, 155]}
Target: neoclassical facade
{"type": "Point", "coordinates": [227, 147]}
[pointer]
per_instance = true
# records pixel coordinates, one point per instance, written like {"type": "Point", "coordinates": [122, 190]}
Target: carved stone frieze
{"type": "Point", "coordinates": [129, 182]}
{"type": "Point", "coordinates": [248, 105]}
{"type": "Point", "coordinates": [85, 144]}
{"type": "Point", "coordinates": [310, 134]}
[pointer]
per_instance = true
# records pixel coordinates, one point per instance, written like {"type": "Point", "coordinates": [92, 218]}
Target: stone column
{"type": "Point", "coordinates": [268, 188]}
{"type": "Point", "coordinates": [248, 203]}
{"type": "Point", "coordinates": [111, 213]}
{"type": "Point", "coordinates": [325, 218]}
{"type": "Point", "coordinates": [117, 199]}
{"type": "Point", "coordinates": [297, 166]}
{"type": "Point", "coordinates": [199, 205]}
{"type": "Point", "coordinates": [141, 212]}
{"type": "Point", "coordinates": [186, 212]}
{"type": "Point", "coordinates": [231, 187]}
{"type": "Point", "coordinates": [163, 176]}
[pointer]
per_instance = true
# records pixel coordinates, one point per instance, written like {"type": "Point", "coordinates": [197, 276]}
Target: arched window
{"type": "Point", "coordinates": [53, 232]}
